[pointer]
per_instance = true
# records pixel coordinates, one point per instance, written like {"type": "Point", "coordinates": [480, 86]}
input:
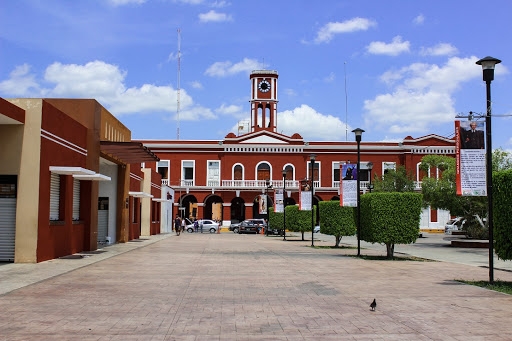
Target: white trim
{"type": "Point", "coordinates": [92, 177]}
{"type": "Point", "coordinates": [140, 194]}
{"type": "Point", "coordinates": [63, 170]}
{"type": "Point", "coordinates": [63, 142]}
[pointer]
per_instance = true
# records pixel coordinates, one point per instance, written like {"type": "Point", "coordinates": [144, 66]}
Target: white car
{"type": "Point", "coordinates": [317, 229]}
{"type": "Point", "coordinates": [208, 226]}
{"type": "Point", "coordinates": [454, 224]}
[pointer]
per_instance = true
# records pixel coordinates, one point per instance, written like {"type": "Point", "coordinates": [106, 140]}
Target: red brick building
{"type": "Point", "coordinates": [223, 179]}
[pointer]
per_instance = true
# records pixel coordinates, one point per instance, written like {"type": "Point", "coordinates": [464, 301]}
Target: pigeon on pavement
{"type": "Point", "coordinates": [373, 305]}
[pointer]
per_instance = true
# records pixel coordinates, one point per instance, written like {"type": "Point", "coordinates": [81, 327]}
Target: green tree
{"type": "Point", "coordinates": [501, 160]}
{"type": "Point", "coordinates": [336, 220]}
{"type": "Point", "coordinates": [399, 180]}
{"type": "Point", "coordinates": [390, 218]}
{"type": "Point", "coordinates": [297, 220]}
{"type": "Point", "coordinates": [441, 193]}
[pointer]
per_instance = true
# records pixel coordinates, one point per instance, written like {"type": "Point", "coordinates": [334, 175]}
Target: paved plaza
{"type": "Point", "coordinates": [251, 287]}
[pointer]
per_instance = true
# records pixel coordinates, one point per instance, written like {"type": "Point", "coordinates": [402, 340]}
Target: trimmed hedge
{"type": "Point", "coordinates": [390, 218]}
{"type": "Point", "coordinates": [502, 214]}
{"type": "Point", "coordinates": [337, 220]}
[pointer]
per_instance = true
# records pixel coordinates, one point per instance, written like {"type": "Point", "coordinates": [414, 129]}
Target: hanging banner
{"type": "Point", "coordinates": [348, 185]}
{"type": "Point", "coordinates": [305, 195]}
{"type": "Point", "coordinates": [470, 156]}
{"type": "Point", "coordinates": [279, 200]}
{"type": "Point", "coordinates": [263, 204]}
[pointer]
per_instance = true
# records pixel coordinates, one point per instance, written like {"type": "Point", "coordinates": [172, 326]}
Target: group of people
{"type": "Point", "coordinates": [179, 225]}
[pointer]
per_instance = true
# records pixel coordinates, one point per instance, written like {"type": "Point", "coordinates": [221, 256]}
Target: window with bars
{"type": "Point", "coordinates": [54, 196]}
{"type": "Point", "coordinates": [76, 199]}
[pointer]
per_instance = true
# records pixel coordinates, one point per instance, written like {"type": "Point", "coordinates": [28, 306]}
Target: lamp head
{"type": "Point", "coordinates": [312, 157]}
{"type": "Point", "coordinates": [267, 182]}
{"type": "Point", "coordinates": [358, 132]}
{"type": "Point", "coordinates": [284, 173]}
{"type": "Point", "coordinates": [488, 64]}
{"type": "Point", "coordinates": [369, 165]}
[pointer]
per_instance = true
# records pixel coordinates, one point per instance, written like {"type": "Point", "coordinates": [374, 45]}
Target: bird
{"type": "Point", "coordinates": [373, 305]}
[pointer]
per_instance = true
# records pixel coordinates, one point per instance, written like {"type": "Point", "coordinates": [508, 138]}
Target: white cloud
{"type": "Point", "coordinates": [105, 83]}
{"type": "Point", "coordinates": [220, 4]}
{"type": "Point", "coordinates": [190, 2]}
{"type": "Point", "coordinates": [330, 78]}
{"type": "Point", "coordinates": [196, 85]}
{"type": "Point", "coordinates": [310, 124]}
{"type": "Point", "coordinates": [227, 68]}
{"type": "Point", "coordinates": [419, 20]}
{"type": "Point", "coordinates": [396, 47]}
{"type": "Point", "coordinates": [329, 30]}
{"type": "Point", "coordinates": [213, 16]}
{"type": "Point", "coordinates": [442, 49]}
{"type": "Point", "coordinates": [234, 110]}
{"type": "Point", "coordinates": [421, 96]}
{"type": "Point", "coordinates": [20, 82]}
{"type": "Point", "coordinates": [126, 2]}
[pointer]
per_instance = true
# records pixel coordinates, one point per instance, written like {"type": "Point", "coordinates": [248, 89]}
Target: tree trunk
{"type": "Point", "coordinates": [302, 235]}
{"type": "Point", "coordinates": [338, 240]}
{"type": "Point", "coordinates": [390, 250]}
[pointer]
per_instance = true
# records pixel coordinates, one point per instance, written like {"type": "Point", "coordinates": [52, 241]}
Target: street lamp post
{"type": "Point", "coordinates": [488, 64]}
{"type": "Point", "coordinates": [369, 165]}
{"type": "Point", "coordinates": [358, 132]}
{"type": "Point", "coordinates": [267, 187]}
{"type": "Point", "coordinates": [312, 158]}
{"type": "Point", "coordinates": [284, 204]}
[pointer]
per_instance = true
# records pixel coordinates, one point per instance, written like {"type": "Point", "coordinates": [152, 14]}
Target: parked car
{"type": "Point", "coordinates": [259, 222]}
{"type": "Point", "coordinates": [208, 226]}
{"type": "Point", "coordinates": [248, 226]}
{"type": "Point", "coordinates": [317, 229]}
{"type": "Point", "coordinates": [234, 226]}
{"type": "Point", "coordinates": [454, 224]}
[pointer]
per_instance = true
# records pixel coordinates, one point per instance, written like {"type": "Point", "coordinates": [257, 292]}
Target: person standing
{"type": "Point", "coordinates": [473, 138]}
{"type": "Point", "coordinates": [177, 225]}
{"type": "Point", "coordinates": [196, 225]}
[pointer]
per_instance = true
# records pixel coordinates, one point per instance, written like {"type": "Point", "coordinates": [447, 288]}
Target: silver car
{"type": "Point", "coordinates": [208, 225]}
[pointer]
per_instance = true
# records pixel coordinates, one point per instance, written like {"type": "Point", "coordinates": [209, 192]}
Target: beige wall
{"type": "Point", "coordinates": [11, 139]}
{"type": "Point", "coordinates": [145, 219]}
{"type": "Point", "coordinates": [27, 204]}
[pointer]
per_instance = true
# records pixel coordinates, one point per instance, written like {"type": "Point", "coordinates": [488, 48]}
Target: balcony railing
{"type": "Point", "coordinates": [261, 184]}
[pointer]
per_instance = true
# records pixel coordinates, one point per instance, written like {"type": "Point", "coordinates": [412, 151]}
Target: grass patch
{"type": "Point", "coordinates": [500, 286]}
{"type": "Point", "coordinates": [395, 258]}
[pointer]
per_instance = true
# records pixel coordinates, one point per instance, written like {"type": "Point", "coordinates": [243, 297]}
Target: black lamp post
{"type": "Point", "coordinates": [358, 132]}
{"type": "Point", "coordinates": [267, 187]}
{"type": "Point", "coordinates": [312, 158]}
{"type": "Point", "coordinates": [488, 64]}
{"type": "Point", "coordinates": [369, 165]}
{"type": "Point", "coordinates": [284, 204]}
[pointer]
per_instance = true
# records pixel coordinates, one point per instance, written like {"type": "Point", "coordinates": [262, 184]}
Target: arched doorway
{"type": "Point", "coordinates": [213, 208]}
{"type": "Point", "coordinates": [237, 210]}
{"type": "Point", "coordinates": [188, 206]}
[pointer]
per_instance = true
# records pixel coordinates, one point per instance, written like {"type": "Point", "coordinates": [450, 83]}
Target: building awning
{"type": "Point", "coordinates": [161, 200]}
{"type": "Point", "coordinates": [79, 173]}
{"type": "Point", "coordinates": [92, 177]}
{"type": "Point", "coordinates": [128, 152]}
{"type": "Point", "coordinates": [140, 194]}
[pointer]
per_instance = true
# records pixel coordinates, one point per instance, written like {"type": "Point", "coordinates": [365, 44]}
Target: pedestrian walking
{"type": "Point", "coordinates": [177, 225]}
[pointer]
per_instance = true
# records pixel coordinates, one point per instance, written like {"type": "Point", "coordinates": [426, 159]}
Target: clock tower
{"type": "Point", "coordinates": [264, 100]}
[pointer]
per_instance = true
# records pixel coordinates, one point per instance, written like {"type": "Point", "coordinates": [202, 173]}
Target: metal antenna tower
{"type": "Point", "coordinates": [346, 101]}
{"type": "Point", "coordinates": [178, 87]}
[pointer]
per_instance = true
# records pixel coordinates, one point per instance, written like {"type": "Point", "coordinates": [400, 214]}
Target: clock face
{"type": "Point", "coordinates": [264, 86]}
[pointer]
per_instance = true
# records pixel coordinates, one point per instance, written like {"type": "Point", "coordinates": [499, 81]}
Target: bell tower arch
{"type": "Point", "coordinates": [264, 100]}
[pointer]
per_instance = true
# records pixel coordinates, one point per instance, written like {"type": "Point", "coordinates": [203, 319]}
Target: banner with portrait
{"type": "Point", "coordinates": [262, 207]}
{"type": "Point", "coordinates": [470, 156]}
{"type": "Point", "coordinates": [348, 185]}
{"type": "Point", "coordinates": [305, 195]}
{"type": "Point", "coordinates": [279, 200]}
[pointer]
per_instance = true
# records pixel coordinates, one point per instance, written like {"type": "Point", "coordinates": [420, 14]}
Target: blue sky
{"type": "Point", "coordinates": [393, 68]}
